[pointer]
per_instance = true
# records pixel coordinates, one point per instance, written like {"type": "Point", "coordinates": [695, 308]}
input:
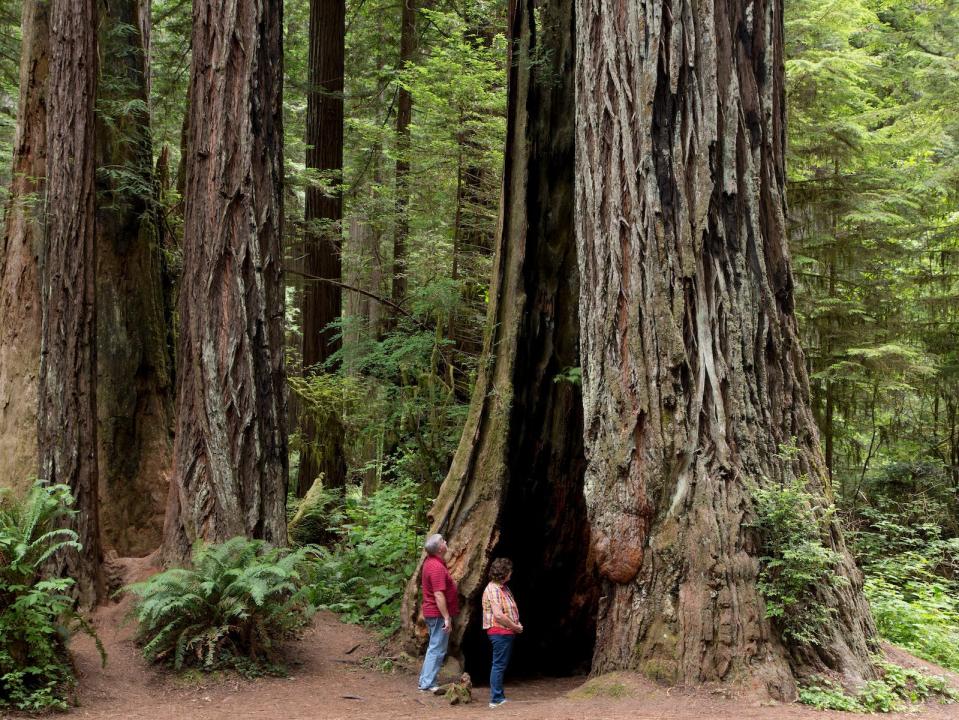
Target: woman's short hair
{"type": "Point", "coordinates": [500, 569]}
{"type": "Point", "coordinates": [432, 544]}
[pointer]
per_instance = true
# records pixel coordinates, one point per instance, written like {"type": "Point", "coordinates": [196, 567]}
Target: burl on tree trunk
{"type": "Point", "coordinates": [515, 486]}
{"type": "Point", "coordinates": [692, 372]}
{"type": "Point", "coordinates": [230, 452]}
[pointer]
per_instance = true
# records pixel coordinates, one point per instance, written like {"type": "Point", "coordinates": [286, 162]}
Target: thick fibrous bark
{"type": "Point", "coordinates": [22, 244]}
{"type": "Point", "coordinates": [515, 486]}
{"type": "Point", "coordinates": [230, 452]}
{"type": "Point", "coordinates": [66, 414]}
{"type": "Point", "coordinates": [133, 366]}
{"type": "Point", "coordinates": [323, 446]}
{"type": "Point", "coordinates": [693, 375]}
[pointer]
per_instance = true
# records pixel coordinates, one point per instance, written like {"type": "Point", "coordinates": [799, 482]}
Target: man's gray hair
{"type": "Point", "coordinates": [432, 544]}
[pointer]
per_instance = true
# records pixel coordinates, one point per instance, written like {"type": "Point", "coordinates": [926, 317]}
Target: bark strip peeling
{"type": "Point", "coordinates": [693, 374]}
{"type": "Point", "coordinates": [230, 452]}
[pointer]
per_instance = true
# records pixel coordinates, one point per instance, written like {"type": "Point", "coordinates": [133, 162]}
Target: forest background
{"type": "Point", "coordinates": [873, 190]}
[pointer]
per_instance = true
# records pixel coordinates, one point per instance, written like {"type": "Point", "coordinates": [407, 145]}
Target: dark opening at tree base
{"type": "Point", "coordinates": [545, 532]}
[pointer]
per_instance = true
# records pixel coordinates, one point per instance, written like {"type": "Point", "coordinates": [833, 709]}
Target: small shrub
{"type": "Point", "coordinates": [37, 616]}
{"type": "Point", "coordinates": [896, 688]}
{"type": "Point", "coordinates": [363, 576]}
{"type": "Point", "coordinates": [828, 696]}
{"type": "Point", "coordinates": [794, 560]}
{"type": "Point", "coordinates": [228, 610]}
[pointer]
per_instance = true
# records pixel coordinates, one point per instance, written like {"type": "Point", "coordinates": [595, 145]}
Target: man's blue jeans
{"type": "Point", "coordinates": [435, 652]}
{"type": "Point", "coordinates": [502, 649]}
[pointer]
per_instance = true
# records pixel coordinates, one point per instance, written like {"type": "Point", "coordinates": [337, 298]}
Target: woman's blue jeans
{"type": "Point", "coordinates": [502, 649]}
{"type": "Point", "coordinates": [435, 652]}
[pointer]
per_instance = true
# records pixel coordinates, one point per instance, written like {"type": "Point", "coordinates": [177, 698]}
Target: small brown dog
{"type": "Point", "coordinates": [460, 693]}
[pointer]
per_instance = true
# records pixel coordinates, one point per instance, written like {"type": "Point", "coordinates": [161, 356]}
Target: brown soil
{"type": "Point", "coordinates": [333, 675]}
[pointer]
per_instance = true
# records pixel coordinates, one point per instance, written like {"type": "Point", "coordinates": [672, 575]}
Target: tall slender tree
{"type": "Point", "coordinates": [515, 485]}
{"type": "Point", "coordinates": [67, 414]}
{"type": "Point", "coordinates": [22, 245]}
{"type": "Point", "coordinates": [134, 380]}
{"type": "Point", "coordinates": [404, 116]}
{"type": "Point", "coordinates": [230, 452]}
{"type": "Point", "coordinates": [693, 377]}
{"type": "Point", "coordinates": [322, 302]}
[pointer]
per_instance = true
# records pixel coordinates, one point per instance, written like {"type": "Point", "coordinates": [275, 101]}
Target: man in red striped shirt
{"type": "Point", "coordinates": [440, 606]}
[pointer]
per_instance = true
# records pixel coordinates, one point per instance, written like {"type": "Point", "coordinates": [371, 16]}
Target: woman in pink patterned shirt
{"type": "Point", "coordinates": [501, 622]}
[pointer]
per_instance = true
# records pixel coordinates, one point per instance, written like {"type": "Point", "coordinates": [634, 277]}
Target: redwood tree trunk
{"type": "Point", "coordinates": [22, 245]}
{"type": "Point", "coordinates": [322, 452]}
{"type": "Point", "coordinates": [67, 393]}
{"type": "Point", "coordinates": [693, 374]}
{"type": "Point", "coordinates": [404, 115]}
{"type": "Point", "coordinates": [515, 486]}
{"type": "Point", "coordinates": [230, 453]}
{"type": "Point", "coordinates": [133, 366]}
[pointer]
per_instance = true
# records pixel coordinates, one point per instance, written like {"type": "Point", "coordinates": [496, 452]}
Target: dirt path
{"type": "Point", "coordinates": [327, 681]}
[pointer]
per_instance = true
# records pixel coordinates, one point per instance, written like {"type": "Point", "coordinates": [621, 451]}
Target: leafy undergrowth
{"type": "Point", "coordinates": [37, 616]}
{"type": "Point", "coordinates": [910, 582]}
{"type": "Point", "coordinates": [363, 576]}
{"type": "Point", "coordinates": [896, 690]}
{"type": "Point", "coordinates": [231, 609]}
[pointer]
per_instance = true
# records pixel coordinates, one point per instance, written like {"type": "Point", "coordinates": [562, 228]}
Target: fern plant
{"type": "Point", "coordinates": [37, 615]}
{"type": "Point", "coordinates": [228, 610]}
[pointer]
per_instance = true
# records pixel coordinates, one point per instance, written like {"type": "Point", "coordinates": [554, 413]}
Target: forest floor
{"type": "Point", "coordinates": [333, 674]}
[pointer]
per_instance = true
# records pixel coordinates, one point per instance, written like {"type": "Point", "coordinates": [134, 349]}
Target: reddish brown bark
{"type": "Point", "coordinates": [22, 244]}
{"type": "Point", "coordinates": [67, 417]}
{"type": "Point", "coordinates": [134, 380]}
{"type": "Point", "coordinates": [322, 452]}
{"type": "Point", "coordinates": [230, 452]}
{"type": "Point", "coordinates": [693, 374]}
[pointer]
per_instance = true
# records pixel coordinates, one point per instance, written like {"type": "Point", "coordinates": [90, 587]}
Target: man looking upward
{"type": "Point", "coordinates": [440, 606]}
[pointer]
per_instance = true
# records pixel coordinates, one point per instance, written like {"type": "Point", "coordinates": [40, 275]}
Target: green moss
{"type": "Point", "coordinates": [604, 686]}
{"type": "Point", "coordinates": [659, 670]}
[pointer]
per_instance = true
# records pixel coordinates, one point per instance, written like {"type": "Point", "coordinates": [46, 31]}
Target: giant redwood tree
{"type": "Point", "coordinates": [230, 452]}
{"type": "Point", "coordinates": [692, 372]}
{"type": "Point", "coordinates": [693, 378]}
{"type": "Point", "coordinates": [322, 452]}
{"type": "Point", "coordinates": [134, 383]}
{"type": "Point", "coordinates": [515, 485]}
{"type": "Point", "coordinates": [66, 408]}
{"type": "Point", "coordinates": [19, 265]}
